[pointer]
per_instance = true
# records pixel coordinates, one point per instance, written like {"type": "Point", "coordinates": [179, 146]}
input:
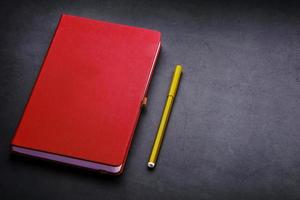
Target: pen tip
{"type": "Point", "coordinates": [151, 164]}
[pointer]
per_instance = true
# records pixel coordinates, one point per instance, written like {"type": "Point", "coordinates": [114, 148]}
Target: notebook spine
{"type": "Point", "coordinates": [35, 83]}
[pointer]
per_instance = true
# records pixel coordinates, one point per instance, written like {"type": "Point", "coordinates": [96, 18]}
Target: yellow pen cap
{"type": "Point", "coordinates": [175, 81]}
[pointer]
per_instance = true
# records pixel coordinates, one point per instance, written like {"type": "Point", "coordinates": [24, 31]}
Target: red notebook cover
{"type": "Point", "coordinates": [87, 98]}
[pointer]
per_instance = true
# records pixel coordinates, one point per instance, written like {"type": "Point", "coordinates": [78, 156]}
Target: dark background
{"type": "Point", "coordinates": [234, 132]}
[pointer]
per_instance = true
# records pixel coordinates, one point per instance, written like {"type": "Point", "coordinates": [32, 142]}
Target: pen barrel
{"type": "Point", "coordinates": [161, 130]}
{"type": "Point", "coordinates": [165, 116]}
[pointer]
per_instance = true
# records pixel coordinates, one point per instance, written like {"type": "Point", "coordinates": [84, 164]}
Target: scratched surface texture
{"type": "Point", "coordinates": [234, 132]}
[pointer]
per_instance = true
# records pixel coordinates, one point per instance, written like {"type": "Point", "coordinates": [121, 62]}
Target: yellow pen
{"type": "Point", "coordinates": [165, 117]}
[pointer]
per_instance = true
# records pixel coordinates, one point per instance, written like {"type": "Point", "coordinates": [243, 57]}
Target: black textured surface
{"type": "Point", "coordinates": [234, 132]}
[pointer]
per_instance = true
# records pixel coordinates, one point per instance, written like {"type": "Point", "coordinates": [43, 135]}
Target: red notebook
{"type": "Point", "coordinates": [87, 99]}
